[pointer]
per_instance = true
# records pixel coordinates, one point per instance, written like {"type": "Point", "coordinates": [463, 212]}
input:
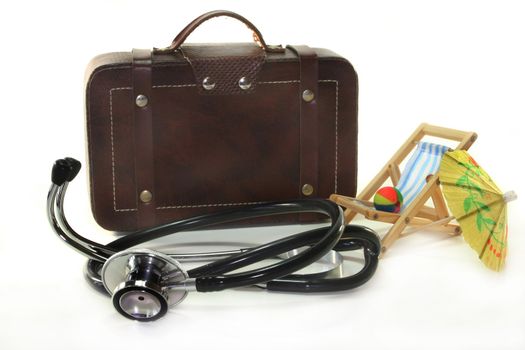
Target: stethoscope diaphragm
{"type": "Point", "coordinates": [144, 283]}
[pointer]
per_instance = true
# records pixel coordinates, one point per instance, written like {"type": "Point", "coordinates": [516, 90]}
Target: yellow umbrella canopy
{"type": "Point", "coordinates": [478, 205]}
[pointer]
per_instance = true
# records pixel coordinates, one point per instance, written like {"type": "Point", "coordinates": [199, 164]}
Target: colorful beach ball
{"type": "Point", "coordinates": [388, 199]}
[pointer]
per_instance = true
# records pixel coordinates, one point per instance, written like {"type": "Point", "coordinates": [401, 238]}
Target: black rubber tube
{"type": "Point", "coordinates": [213, 277]}
{"type": "Point", "coordinates": [208, 279]}
{"type": "Point", "coordinates": [321, 206]}
{"type": "Point", "coordinates": [356, 237]}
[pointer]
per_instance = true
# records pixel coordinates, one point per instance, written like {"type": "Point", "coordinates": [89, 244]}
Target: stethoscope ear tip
{"type": "Point", "coordinates": [75, 167]}
{"type": "Point", "coordinates": [65, 169]}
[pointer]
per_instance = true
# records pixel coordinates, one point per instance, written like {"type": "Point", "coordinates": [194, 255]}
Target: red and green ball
{"type": "Point", "coordinates": [388, 199]}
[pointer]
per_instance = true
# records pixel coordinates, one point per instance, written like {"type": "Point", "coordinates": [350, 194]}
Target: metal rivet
{"type": "Point", "coordinates": [308, 95]}
{"type": "Point", "coordinates": [307, 189]}
{"type": "Point", "coordinates": [244, 83]}
{"type": "Point", "coordinates": [208, 84]}
{"type": "Point", "coordinates": [145, 196]}
{"type": "Point", "coordinates": [141, 101]}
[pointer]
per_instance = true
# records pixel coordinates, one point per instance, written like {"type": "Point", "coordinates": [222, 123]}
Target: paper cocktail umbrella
{"type": "Point", "coordinates": [478, 205]}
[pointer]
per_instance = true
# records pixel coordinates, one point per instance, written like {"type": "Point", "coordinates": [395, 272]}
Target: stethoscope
{"type": "Point", "coordinates": [144, 283]}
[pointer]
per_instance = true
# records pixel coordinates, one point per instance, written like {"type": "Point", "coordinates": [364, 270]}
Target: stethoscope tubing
{"type": "Point", "coordinates": [207, 277]}
{"type": "Point", "coordinates": [360, 236]}
{"type": "Point", "coordinates": [216, 276]}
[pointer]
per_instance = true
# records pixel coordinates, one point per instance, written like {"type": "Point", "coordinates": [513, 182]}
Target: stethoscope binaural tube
{"type": "Point", "coordinates": [214, 276]}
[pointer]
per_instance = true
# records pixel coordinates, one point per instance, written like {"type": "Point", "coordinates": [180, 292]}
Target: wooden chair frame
{"type": "Point", "coordinates": [417, 214]}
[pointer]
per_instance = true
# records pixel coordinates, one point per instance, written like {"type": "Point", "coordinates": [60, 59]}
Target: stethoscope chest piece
{"type": "Point", "coordinates": [144, 283]}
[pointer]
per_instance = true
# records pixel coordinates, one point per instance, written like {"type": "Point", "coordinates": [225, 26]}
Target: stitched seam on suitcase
{"type": "Point", "coordinates": [336, 126]}
{"type": "Point", "coordinates": [336, 112]}
{"type": "Point", "coordinates": [113, 148]}
{"type": "Point", "coordinates": [90, 151]}
{"type": "Point", "coordinates": [207, 205]}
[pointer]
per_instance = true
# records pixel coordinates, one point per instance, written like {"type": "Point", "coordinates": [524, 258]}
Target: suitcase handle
{"type": "Point", "coordinates": [183, 35]}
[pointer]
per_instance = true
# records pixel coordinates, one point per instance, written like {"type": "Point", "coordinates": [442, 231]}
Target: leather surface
{"type": "Point", "coordinates": [143, 138]}
{"type": "Point", "coordinates": [212, 152]}
{"type": "Point", "coordinates": [309, 119]}
{"type": "Point", "coordinates": [225, 71]}
{"type": "Point", "coordinates": [184, 33]}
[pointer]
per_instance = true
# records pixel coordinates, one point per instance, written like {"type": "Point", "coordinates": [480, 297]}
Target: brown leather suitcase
{"type": "Point", "coordinates": [192, 129]}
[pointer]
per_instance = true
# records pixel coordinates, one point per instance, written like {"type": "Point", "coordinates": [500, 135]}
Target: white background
{"type": "Point", "coordinates": [458, 64]}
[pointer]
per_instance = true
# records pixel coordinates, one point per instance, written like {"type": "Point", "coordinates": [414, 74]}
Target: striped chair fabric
{"type": "Point", "coordinates": [424, 161]}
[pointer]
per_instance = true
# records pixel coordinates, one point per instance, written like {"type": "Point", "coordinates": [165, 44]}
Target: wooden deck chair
{"type": "Point", "coordinates": [424, 164]}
